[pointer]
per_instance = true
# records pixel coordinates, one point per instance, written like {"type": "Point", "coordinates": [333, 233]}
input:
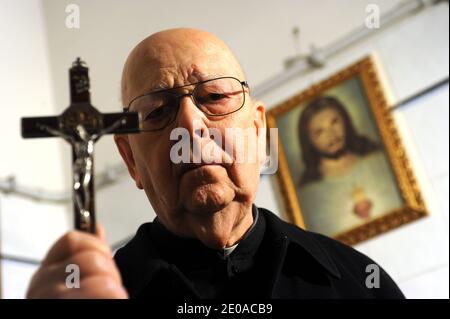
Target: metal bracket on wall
{"type": "Point", "coordinates": [107, 177]}
{"type": "Point", "coordinates": [318, 56]}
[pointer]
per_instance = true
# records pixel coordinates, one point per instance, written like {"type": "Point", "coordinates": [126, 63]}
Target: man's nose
{"type": "Point", "coordinates": [190, 117]}
{"type": "Point", "coordinates": [333, 132]}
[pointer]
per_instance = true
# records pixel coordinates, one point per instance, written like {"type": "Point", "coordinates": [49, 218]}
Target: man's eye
{"type": "Point", "coordinates": [157, 114]}
{"type": "Point", "coordinates": [216, 96]}
{"type": "Point", "coordinates": [318, 133]}
{"type": "Point", "coordinates": [212, 97]}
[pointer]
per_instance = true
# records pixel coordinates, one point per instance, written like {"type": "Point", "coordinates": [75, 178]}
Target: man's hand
{"type": "Point", "coordinates": [99, 276]}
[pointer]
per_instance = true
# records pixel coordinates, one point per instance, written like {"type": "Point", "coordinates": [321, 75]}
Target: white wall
{"type": "Point", "coordinates": [27, 228]}
{"type": "Point", "coordinates": [414, 54]}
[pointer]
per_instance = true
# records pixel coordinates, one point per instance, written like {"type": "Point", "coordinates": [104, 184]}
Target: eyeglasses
{"type": "Point", "coordinates": [216, 97]}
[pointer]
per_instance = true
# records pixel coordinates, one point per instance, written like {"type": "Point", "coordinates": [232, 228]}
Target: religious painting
{"type": "Point", "coordinates": [343, 170]}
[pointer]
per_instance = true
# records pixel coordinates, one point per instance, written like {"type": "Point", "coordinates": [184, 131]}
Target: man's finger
{"type": "Point", "coordinates": [90, 263]}
{"type": "Point", "coordinates": [72, 243]}
{"type": "Point", "coordinates": [100, 287]}
{"type": "Point", "coordinates": [100, 231]}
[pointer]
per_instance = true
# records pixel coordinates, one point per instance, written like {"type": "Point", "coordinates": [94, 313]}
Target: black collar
{"type": "Point", "coordinates": [285, 232]}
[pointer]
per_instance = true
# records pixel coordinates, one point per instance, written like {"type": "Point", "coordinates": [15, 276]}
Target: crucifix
{"type": "Point", "coordinates": [81, 124]}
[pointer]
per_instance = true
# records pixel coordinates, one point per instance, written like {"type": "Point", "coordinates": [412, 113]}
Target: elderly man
{"type": "Point", "coordinates": [209, 240]}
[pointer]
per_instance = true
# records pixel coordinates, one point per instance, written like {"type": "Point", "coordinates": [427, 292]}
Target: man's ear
{"type": "Point", "coordinates": [259, 121]}
{"type": "Point", "coordinates": [260, 115]}
{"type": "Point", "coordinates": [123, 144]}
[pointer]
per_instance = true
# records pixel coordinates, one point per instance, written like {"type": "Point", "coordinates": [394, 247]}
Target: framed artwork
{"type": "Point", "coordinates": [343, 170]}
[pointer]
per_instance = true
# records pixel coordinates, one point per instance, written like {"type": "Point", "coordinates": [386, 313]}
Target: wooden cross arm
{"type": "Point", "coordinates": [32, 127]}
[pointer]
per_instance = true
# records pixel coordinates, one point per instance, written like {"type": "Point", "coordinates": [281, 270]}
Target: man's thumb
{"type": "Point", "coordinates": [100, 231]}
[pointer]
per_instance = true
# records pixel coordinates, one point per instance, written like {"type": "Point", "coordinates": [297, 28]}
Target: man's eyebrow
{"type": "Point", "coordinates": [161, 86]}
{"type": "Point", "coordinates": [206, 76]}
{"type": "Point", "coordinates": [200, 78]}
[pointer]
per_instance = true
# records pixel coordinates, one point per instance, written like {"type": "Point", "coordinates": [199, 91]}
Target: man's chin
{"type": "Point", "coordinates": [214, 241]}
{"type": "Point", "coordinates": [214, 231]}
{"type": "Point", "coordinates": [223, 229]}
{"type": "Point", "coordinates": [206, 190]}
{"type": "Point", "coordinates": [208, 198]}
{"type": "Point", "coordinates": [334, 154]}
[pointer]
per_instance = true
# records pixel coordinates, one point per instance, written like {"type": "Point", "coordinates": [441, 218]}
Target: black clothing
{"type": "Point", "coordinates": [275, 259]}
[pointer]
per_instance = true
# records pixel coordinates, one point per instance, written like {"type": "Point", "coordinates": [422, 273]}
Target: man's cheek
{"type": "Point", "coordinates": [164, 187]}
{"type": "Point", "coordinates": [243, 177]}
{"type": "Point", "coordinates": [158, 164]}
{"type": "Point", "coordinates": [240, 174]}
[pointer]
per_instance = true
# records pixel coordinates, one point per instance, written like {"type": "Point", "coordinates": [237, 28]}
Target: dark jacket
{"type": "Point", "coordinates": [276, 260]}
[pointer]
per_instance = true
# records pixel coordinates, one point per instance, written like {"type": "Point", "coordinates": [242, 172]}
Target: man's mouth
{"type": "Point", "coordinates": [335, 142]}
{"type": "Point", "coordinates": [186, 167]}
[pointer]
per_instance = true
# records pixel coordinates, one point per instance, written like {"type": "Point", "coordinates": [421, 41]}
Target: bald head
{"type": "Point", "coordinates": [176, 57]}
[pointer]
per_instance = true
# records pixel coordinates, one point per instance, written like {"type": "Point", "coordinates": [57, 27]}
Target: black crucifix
{"type": "Point", "coordinates": [81, 124]}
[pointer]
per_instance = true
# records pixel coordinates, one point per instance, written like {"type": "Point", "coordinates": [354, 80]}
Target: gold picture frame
{"type": "Point", "coordinates": [387, 163]}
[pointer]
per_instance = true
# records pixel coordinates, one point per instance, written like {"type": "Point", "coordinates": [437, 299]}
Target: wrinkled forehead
{"type": "Point", "coordinates": [168, 62]}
